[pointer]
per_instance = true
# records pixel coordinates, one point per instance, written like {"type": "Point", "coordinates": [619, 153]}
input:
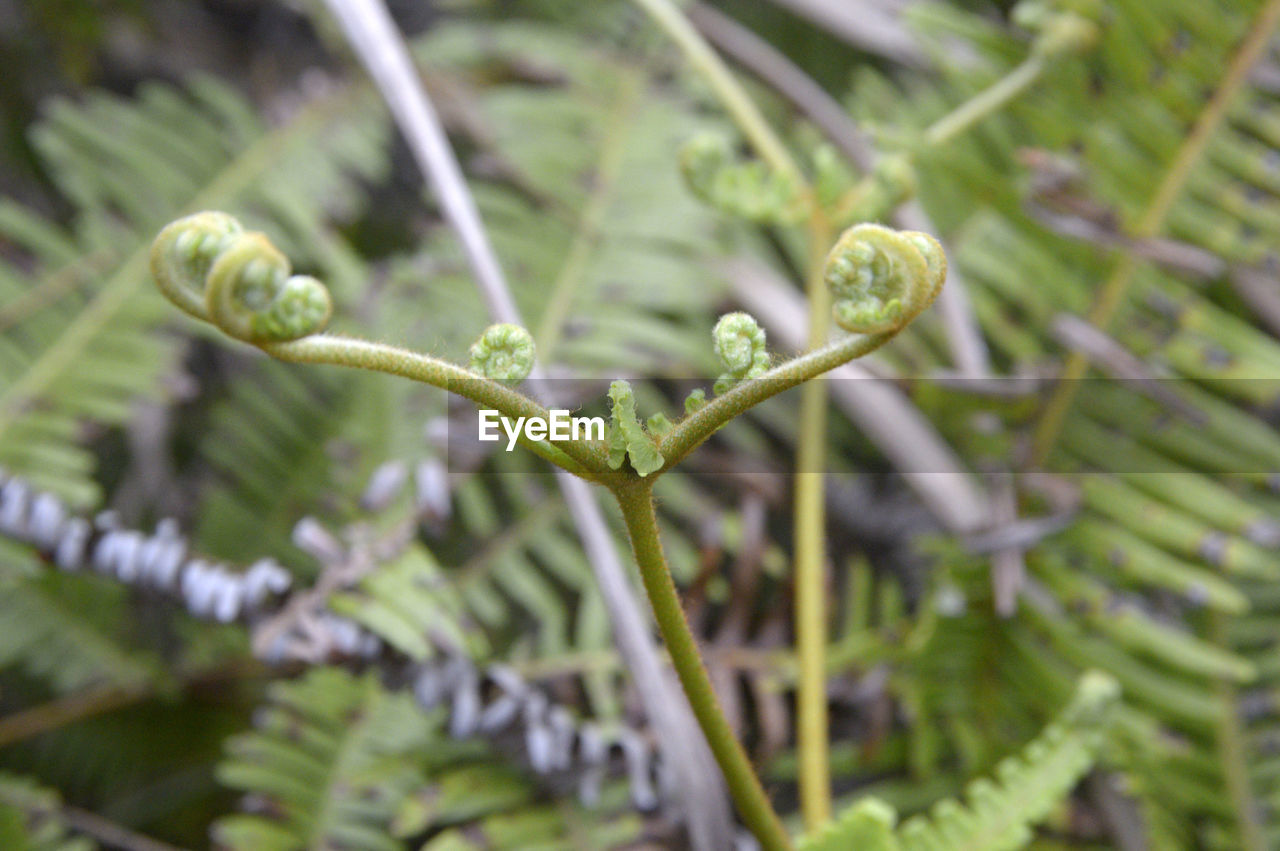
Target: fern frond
{"type": "Point", "coordinates": [409, 604]}
{"type": "Point", "coordinates": [599, 257]}
{"type": "Point", "coordinates": [403, 617]}
{"type": "Point", "coordinates": [996, 815]}
{"type": "Point", "coordinates": [1171, 151]}
{"type": "Point", "coordinates": [48, 633]}
{"type": "Point", "coordinates": [329, 763]}
{"type": "Point", "coordinates": [337, 759]}
{"type": "Point", "coordinates": [80, 337]}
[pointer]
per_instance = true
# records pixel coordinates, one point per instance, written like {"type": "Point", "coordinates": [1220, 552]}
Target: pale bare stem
{"type": "Point", "coordinates": [739, 105]}
{"type": "Point", "coordinates": [691, 431]}
{"type": "Point", "coordinates": [699, 789]}
{"type": "Point", "coordinates": [377, 41]}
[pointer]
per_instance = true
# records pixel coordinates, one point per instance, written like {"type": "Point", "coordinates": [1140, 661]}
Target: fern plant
{"type": "Point", "coordinates": [210, 267]}
{"type": "Point", "coordinates": [997, 815]}
{"type": "Point", "coordinates": [1153, 221]}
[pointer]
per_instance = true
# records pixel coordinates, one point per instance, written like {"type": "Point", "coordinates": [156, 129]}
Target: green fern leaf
{"type": "Point", "coordinates": [996, 815]}
{"type": "Point", "coordinates": [79, 328]}
{"type": "Point", "coordinates": [332, 759]}
{"type": "Point", "coordinates": [866, 826]}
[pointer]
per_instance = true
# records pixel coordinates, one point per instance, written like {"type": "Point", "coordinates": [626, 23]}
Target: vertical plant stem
{"type": "Point", "coordinates": [739, 104]}
{"type": "Point", "coordinates": [1232, 753]}
{"type": "Point", "coordinates": [374, 35]}
{"type": "Point", "coordinates": [815, 791]}
{"type": "Point", "coordinates": [636, 502]}
{"type": "Point", "coordinates": [810, 557]}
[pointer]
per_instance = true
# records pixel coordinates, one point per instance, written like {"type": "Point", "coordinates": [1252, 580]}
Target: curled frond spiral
{"type": "Point", "coordinates": [751, 190]}
{"type": "Point", "coordinates": [251, 296]}
{"type": "Point", "coordinates": [740, 345]}
{"type": "Point", "coordinates": [882, 278]}
{"type": "Point", "coordinates": [504, 352]}
{"type": "Point", "coordinates": [183, 252]}
{"type": "Point", "coordinates": [209, 266]}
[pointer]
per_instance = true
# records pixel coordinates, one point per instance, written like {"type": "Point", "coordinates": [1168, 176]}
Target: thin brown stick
{"type": "Point", "coordinates": [699, 790]}
{"type": "Point", "coordinates": [111, 834]}
{"type": "Point", "coordinates": [69, 709]}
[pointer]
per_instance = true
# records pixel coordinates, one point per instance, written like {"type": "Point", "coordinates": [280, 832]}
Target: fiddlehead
{"type": "Point", "coordinates": [882, 278]}
{"type": "Point", "coordinates": [209, 266]}
{"type": "Point", "coordinates": [740, 345]}
{"type": "Point", "coordinates": [751, 190]}
{"type": "Point", "coordinates": [182, 254]}
{"type": "Point", "coordinates": [504, 352]}
{"type": "Point", "coordinates": [251, 296]}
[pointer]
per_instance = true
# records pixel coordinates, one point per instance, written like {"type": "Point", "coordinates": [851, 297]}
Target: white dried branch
{"type": "Point", "coordinates": [700, 791]}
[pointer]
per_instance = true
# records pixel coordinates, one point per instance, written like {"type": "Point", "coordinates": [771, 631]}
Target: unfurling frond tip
{"type": "Point", "coordinates": [213, 269]}
{"type": "Point", "coordinates": [504, 352]}
{"type": "Point", "coordinates": [883, 278]}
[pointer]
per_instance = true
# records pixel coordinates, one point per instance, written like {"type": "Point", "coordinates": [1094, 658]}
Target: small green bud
{"type": "Point", "coordinates": [740, 345]}
{"type": "Point", "coordinates": [504, 352]}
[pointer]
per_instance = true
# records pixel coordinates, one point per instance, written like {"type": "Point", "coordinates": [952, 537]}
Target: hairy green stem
{"type": "Point", "coordinates": [690, 432]}
{"type": "Point", "coordinates": [739, 104]}
{"type": "Point", "coordinates": [579, 457]}
{"type": "Point", "coordinates": [636, 502]}
{"type": "Point", "coordinates": [576, 456]}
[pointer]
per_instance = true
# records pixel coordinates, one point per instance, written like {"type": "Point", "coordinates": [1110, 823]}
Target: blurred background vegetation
{"type": "Point", "coordinates": [1119, 219]}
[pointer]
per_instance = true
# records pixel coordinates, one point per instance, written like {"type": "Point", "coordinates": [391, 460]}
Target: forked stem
{"type": "Point", "coordinates": [209, 266]}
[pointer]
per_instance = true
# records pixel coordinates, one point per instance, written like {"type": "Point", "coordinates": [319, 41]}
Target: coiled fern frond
{"type": "Point", "coordinates": [883, 278]}
{"type": "Point", "coordinates": [210, 267]}
{"type": "Point", "coordinates": [749, 190]}
{"type": "Point", "coordinates": [627, 439]}
{"type": "Point", "coordinates": [504, 352]}
{"type": "Point", "coordinates": [740, 345]}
